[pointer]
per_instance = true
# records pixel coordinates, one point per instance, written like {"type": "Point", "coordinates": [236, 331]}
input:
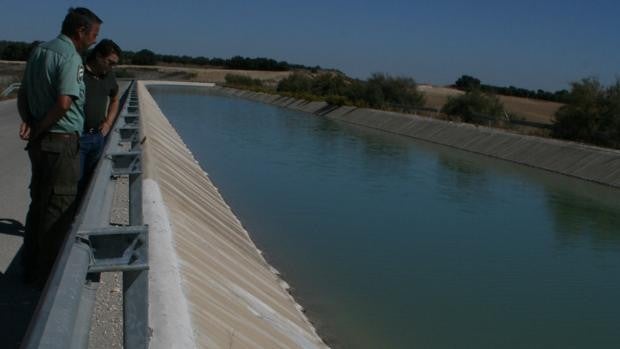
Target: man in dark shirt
{"type": "Point", "coordinates": [101, 105]}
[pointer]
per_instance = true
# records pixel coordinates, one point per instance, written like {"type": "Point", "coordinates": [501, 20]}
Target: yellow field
{"type": "Point", "coordinates": [522, 108]}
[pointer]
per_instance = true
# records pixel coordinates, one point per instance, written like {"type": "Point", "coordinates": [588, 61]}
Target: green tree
{"type": "Point", "coordinates": [467, 83]}
{"type": "Point", "coordinates": [144, 57]}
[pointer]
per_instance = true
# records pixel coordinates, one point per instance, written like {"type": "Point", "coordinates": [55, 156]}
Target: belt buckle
{"type": "Point", "coordinates": [92, 131]}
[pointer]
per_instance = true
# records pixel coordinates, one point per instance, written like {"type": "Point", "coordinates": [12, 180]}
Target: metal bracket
{"type": "Point", "coordinates": [126, 163]}
{"type": "Point", "coordinates": [130, 119]}
{"type": "Point", "coordinates": [129, 134]}
{"type": "Point", "coordinates": [117, 248]}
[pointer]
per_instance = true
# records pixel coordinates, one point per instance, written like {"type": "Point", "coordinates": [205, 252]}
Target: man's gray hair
{"type": "Point", "coordinates": [77, 18]}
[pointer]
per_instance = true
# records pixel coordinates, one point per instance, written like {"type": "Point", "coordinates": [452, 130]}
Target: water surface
{"type": "Point", "coordinates": [394, 243]}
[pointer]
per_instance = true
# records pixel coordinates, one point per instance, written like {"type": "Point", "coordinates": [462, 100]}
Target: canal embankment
{"type": "Point", "coordinates": [595, 164]}
{"type": "Point", "coordinates": [210, 286]}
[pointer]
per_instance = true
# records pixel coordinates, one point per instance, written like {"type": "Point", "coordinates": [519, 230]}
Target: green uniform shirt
{"type": "Point", "coordinates": [55, 69]}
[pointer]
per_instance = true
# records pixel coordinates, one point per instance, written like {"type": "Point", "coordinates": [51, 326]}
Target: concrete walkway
{"type": "Point", "coordinates": [17, 302]}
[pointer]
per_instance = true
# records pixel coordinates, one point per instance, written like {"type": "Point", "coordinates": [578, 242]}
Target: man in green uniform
{"type": "Point", "coordinates": [101, 105]}
{"type": "Point", "coordinates": [50, 103]}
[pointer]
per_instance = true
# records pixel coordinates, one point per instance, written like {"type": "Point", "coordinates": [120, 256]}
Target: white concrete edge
{"type": "Point", "coordinates": [176, 83]}
{"type": "Point", "coordinates": [281, 326]}
{"type": "Point", "coordinates": [169, 315]}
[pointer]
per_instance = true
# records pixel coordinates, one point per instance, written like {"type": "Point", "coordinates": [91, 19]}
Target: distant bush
{"type": "Point", "coordinates": [294, 83]}
{"type": "Point", "coordinates": [380, 91]}
{"type": "Point", "coordinates": [384, 91]}
{"type": "Point", "coordinates": [473, 106]}
{"type": "Point", "coordinates": [591, 115]}
{"type": "Point", "coordinates": [242, 80]}
{"type": "Point", "coordinates": [328, 85]}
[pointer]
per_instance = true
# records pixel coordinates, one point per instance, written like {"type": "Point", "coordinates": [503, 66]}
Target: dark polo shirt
{"type": "Point", "coordinates": [99, 90]}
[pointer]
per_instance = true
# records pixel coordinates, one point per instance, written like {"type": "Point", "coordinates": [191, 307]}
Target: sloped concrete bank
{"type": "Point", "coordinates": [586, 162]}
{"type": "Point", "coordinates": [209, 284]}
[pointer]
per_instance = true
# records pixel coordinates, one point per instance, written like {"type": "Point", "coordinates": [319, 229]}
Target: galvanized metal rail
{"type": "Point", "coordinates": [12, 87]}
{"type": "Point", "coordinates": [94, 245]}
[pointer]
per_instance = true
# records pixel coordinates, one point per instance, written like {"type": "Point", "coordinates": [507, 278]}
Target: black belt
{"type": "Point", "coordinates": [92, 131]}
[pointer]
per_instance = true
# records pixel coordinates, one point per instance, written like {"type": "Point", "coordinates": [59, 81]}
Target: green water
{"type": "Point", "coordinates": [393, 243]}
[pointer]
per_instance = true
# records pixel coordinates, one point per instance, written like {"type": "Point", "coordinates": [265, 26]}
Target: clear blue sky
{"type": "Point", "coordinates": [530, 44]}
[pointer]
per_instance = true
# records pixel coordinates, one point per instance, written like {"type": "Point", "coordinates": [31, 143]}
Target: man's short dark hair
{"type": "Point", "coordinates": [77, 18]}
{"type": "Point", "coordinates": [104, 48]}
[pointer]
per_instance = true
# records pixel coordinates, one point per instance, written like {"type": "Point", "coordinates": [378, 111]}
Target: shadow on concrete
{"type": "Point", "coordinates": [17, 300]}
{"type": "Point", "coordinates": [10, 226]}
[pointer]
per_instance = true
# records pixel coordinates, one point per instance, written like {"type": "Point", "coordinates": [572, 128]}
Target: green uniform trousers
{"type": "Point", "coordinates": [55, 164]}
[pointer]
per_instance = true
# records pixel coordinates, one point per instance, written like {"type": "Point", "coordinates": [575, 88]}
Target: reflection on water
{"type": "Point", "coordinates": [393, 243]}
{"type": "Point", "coordinates": [577, 218]}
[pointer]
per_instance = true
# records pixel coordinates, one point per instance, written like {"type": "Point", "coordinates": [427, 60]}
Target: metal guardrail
{"type": "Point", "coordinates": [94, 245]}
{"type": "Point", "coordinates": [12, 87]}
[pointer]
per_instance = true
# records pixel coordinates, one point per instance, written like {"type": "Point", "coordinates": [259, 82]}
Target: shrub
{"type": "Point", "coordinates": [295, 82]}
{"type": "Point", "coordinates": [386, 91]}
{"type": "Point", "coordinates": [328, 85]}
{"type": "Point", "coordinates": [591, 115]}
{"type": "Point", "coordinates": [242, 80]}
{"type": "Point", "coordinates": [474, 104]}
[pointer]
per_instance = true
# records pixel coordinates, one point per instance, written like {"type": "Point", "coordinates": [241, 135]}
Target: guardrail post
{"type": "Point", "coordinates": [135, 283]}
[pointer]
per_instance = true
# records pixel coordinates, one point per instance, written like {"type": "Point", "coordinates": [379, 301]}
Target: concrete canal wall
{"type": "Point", "coordinates": [209, 284]}
{"type": "Point", "coordinates": [586, 162]}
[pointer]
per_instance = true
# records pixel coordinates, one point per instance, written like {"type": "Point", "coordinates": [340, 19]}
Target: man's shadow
{"type": "Point", "coordinates": [17, 300]}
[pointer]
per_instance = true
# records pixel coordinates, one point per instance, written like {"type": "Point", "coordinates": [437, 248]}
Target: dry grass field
{"type": "Point", "coordinates": [522, 108]}
{"type": "Point", "coordinates": [194, 74]}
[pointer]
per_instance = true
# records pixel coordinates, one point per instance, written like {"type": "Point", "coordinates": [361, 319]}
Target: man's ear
{"type": "Point", "coordinates": [82, 31]}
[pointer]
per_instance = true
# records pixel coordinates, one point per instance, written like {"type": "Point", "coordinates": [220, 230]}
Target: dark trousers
{"type": "Point", "coordinates": [55, 172]}
{"type": "Point", "coordinates": [91, 149]}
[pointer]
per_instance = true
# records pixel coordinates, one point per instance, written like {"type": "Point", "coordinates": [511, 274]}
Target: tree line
{"type": "Point", "coordinates": [467, 83]}
{"type": "Point", "coordinates": [20, 51]}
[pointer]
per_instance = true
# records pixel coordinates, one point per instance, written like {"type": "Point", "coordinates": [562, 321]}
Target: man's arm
{"type": "Point", "coordinates": [22, 105]}
{"type": "Point", "coordinates": [106, 125]}
{"type": "Point", "coordinates": [60, 108]}
{"type": "Point", "coordinates": [24, 114]}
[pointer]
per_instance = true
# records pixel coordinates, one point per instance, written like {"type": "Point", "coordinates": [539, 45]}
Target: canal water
{"type": "Point", "coordinates": [389, 242]}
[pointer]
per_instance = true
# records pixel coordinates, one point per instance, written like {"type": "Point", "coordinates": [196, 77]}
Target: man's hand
{"type": "Point", "coordinates": [24, 131]}
{"type": "Point", "coordinates": [104, 128]}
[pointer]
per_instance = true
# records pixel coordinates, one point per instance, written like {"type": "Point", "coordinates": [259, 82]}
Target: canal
{"type": "Point", "coordinates": [389, 242]}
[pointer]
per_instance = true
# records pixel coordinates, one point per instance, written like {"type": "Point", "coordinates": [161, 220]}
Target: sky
{"type": "Point", "coordinates": [529, 44]}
